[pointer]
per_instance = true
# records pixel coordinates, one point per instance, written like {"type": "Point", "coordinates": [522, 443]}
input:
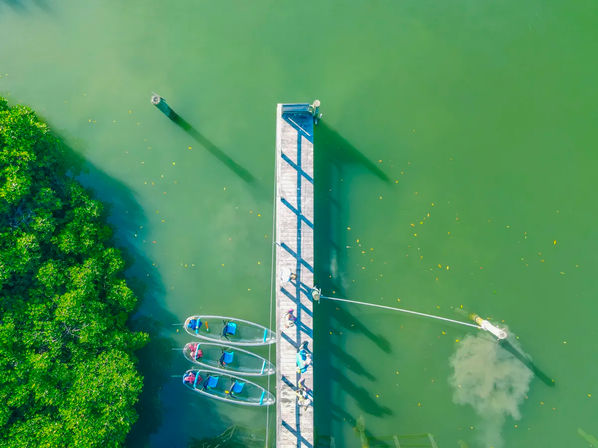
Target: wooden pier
{"type": "Point", "coordinates": [294, 271]}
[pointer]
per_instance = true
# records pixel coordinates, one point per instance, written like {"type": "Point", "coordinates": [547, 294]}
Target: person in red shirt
{"type": "Point", "coordinates": [195, 351]}
{"type": "Point", "coordinates": [189, 377]}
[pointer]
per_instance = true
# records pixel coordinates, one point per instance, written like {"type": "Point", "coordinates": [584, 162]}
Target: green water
{"type": "Point", "coordinates": [475, 122]}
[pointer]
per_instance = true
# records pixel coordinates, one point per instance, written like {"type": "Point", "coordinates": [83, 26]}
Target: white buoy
{"type": "Point", "coordinates": [161, 104]}
{"type": "Point", "coordinates": [314, 109]}
{"type": "Point", "coordinates": [155, 99]}
{"type": "Point", "coordinates": [316, 293]}
{"type": "Point", "coordinates": [485, 325]}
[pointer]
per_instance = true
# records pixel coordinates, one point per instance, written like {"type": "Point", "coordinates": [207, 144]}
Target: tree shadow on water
{"type": "Point", "coordinates": [154, 361]}
{"type": "Point", "coordinates": [22, 6]}
{"type": "Point", "coordinates": [127, 219]}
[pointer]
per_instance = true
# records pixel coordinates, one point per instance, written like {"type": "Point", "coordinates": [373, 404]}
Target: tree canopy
{"type": "Point", "coordinates": [68, 373]}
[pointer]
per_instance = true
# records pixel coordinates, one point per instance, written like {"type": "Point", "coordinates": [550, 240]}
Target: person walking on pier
{"type": "Point", "coordinates": [290, 318]}
{"type": "Point", "coordinates": [303, 396]}
{"type": "Point", "coordinates": [287, 276]}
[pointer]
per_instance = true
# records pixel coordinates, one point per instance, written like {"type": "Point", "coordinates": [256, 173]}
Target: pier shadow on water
{"type": "Point", "coordinates": [209, 145]}
{"type": "Point", "coordinates": [333, 149]}
{"type": "Point", "coordinates": [351, 323]}
{"type": "Point", "coordinates": [350, 362]}
{"type": "Point", "coordinates": [362, 437]}
{"type": "Point", "coordinates": [359, 393]}
{"type": "Point", "coordinates": [125, 215]}
{"type": "Point", "coordinates": [334, 156]}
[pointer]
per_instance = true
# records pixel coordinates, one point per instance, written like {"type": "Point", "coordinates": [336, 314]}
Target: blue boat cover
{"type": "Point", "coordinates": [227, 357]}
{"type": "Point", "coordinates": [231, 328]}
{"type": "Point", "coordinates": [237, 387]}
{"type": "Point", "coordinates": [212, 381]}
{"type": "Point", "coordinates": [194, 324]}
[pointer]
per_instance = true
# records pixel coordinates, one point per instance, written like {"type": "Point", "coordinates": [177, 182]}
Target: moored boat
{"type": "Point", "coordinates": [228, 330]}
{"type": "Point", "coordinates": [227, 387]}
{"type": "Point", "coordinates": [224, 358]}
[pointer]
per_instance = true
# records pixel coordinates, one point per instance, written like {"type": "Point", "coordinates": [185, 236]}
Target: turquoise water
{"type": "Point", "coordinates": [472, 121]}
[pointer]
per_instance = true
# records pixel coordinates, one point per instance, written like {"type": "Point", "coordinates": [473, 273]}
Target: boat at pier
{"type": "Point", "coordinates": [226, 358]}
{"type": "Point", "coordinates": [226, 387]}
{"type": "Point", "coordinates": [228, 330]}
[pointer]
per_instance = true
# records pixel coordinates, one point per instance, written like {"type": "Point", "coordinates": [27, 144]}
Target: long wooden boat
{"type": "Point", "coordinates": [228, 330]}
{"type": "Point", "coordinates": [225, 358]}
{"type": "Point", "coordinates": [227, 387]}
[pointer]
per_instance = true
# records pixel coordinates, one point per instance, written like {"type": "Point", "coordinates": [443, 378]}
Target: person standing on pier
{"type": "Point", "coordinates": [304, 359]}
{"type": "Point", "coordinates": [303, 397]}
{"type": "Point", "coordinates": [290, 318]}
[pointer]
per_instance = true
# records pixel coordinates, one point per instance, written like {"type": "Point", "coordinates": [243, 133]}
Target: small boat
{"type": "Point", "coordinates": [228, 330]}
{"type": "Point", "coordinates": [226, 387]}
{"type": "Point", "coordinates": [225, 358]}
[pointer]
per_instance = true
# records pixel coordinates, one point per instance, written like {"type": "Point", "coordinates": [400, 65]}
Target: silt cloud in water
{"type": "Point", "coordinates": [492, 381]}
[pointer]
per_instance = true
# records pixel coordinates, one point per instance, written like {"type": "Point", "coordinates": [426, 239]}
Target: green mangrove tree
{"type": "Point", "coordinates": [67, 370]}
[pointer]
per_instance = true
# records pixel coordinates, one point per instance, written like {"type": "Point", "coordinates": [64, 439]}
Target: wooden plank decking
{"type": "Point", "coordinates": [295, 254]}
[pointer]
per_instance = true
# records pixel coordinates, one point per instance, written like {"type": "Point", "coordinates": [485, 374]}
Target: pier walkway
{"type": "Point", "coordinates": [294, 255]}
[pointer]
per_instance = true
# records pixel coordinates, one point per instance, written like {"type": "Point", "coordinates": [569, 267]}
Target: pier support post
{"type": "Point", "coordinates": [162, 105]}
{"type": "Point", "coordinates": [314, 110]}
